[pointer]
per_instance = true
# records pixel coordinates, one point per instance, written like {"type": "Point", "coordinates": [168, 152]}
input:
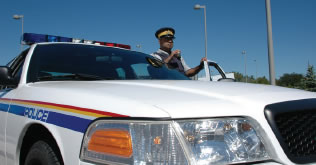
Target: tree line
{"type": "Point", "coordinates": [291, 80]}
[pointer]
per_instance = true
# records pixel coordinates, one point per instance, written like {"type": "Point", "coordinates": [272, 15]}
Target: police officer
{"type": "Point", "coordinates": [173, 59]}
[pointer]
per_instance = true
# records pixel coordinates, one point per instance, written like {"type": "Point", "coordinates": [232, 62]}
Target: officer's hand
{"type": "Point", "coordinates": [176, 53]}
{"type": "Point", "coordinates": [202, 62]}
{"type": "Point", "coordinates": [203, 59]}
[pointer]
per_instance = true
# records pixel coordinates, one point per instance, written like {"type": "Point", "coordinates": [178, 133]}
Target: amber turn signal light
{"type": "Point", "coordinates": [115, 142]}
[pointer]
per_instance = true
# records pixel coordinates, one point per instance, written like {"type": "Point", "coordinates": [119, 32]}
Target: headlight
{"type": "Point", "coordinates": [223, 141]}
{"type": "Point", "coordinates": [208, 141]}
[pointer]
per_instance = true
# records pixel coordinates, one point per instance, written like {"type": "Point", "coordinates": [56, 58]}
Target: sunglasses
{"type": "Point", "coordinates": [168, 38]}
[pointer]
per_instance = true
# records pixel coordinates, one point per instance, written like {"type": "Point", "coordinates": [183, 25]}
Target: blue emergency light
{"type": "Point", "coordinates": [32, 38]}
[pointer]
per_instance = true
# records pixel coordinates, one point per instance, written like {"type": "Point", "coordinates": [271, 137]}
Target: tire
{"type": "Point", "coordinates": [41, 154]}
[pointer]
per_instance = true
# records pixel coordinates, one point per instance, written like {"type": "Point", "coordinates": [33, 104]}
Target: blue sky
{"type": "Point", "coordinates": [232, 26]}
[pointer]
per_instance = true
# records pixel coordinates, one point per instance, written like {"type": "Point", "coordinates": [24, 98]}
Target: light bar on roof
{"type": "Point", "coordinates": [32, 38]}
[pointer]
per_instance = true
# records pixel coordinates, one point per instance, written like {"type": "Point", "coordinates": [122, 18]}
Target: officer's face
{"type": "Point", "coordinates": [166, 43]}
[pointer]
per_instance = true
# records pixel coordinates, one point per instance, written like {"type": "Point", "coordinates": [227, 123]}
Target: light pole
{"type": "Point", "coordinates": [197, 7]}
{"type": "Point", "coordinates": [256, 69]}
{"type": "Point", "coordinates": [139, 46]}
{"type": "Point", "coordinates": [270, 43]}
{"type": "Point", "coordinates": [245, 54]}
{"type": "Point", "coordinates": [21, 17]}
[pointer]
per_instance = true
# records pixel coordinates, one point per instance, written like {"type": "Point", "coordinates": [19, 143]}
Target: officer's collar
{"type": "Point", "coordinates": [162, 51]}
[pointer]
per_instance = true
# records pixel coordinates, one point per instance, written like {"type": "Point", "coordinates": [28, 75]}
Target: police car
{"type": "Point", "coordinates": [68, 101]}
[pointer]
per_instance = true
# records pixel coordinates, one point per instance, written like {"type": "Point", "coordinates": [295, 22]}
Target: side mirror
{"type": "Point", "coordinates": [6, 76]}
{"type": "Point", "coordinates": [226, 80]}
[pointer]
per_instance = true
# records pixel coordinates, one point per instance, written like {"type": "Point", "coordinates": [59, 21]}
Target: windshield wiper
{"type": "Point", "coordinates": [74, 76]}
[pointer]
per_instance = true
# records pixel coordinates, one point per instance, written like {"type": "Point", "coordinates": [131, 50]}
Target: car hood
{"type": "Point", "coordinates": [164, 98]}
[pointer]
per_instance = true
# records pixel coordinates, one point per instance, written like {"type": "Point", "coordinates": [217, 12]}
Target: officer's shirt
{"type": "Point", "coordinates": [159, 51]}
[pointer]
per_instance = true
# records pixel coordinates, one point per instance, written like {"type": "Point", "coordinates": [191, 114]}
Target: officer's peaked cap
{"type": "Point", "coordinates": [165, 32]}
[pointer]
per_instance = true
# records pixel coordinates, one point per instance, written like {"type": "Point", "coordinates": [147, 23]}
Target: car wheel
{"type": "Point", "coordinates": [41, 154]}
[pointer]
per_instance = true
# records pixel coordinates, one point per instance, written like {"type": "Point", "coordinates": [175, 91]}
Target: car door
{"type": "Point", "coordinates": [4, 107]}
{"type": "Point", "coordinates": [7, 92]}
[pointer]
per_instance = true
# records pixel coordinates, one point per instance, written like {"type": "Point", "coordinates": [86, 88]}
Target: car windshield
{"type": "Point", "coordinates": [58, 62]}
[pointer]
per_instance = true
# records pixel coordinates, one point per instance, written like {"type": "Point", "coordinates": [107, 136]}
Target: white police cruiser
{"type": "Point", "coordinates": [81, 103]}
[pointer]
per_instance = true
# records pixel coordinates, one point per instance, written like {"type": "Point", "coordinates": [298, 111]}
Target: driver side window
{"type": "Point", "coordinates": [15, 67]}
{"type": "Point", "coordinates": [18, 73]}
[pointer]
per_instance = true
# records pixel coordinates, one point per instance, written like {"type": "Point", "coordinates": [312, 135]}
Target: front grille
{"type": "Point", "coordinates": [298, 130]}
{"type": "Point", "coordinates": [294, 125]}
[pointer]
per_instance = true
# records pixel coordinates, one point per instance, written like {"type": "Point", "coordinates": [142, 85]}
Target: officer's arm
{"type": "Point", "coordinates": [193, 71]}
{"type": "Point", "coordinates": [173, 53]}
{"type": "Point", "coordinates": [168, 59]}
